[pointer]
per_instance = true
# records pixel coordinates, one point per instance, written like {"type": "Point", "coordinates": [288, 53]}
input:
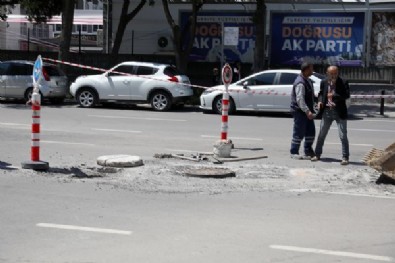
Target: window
{"type": "Point", "coordinates": [124, 69]}
{"type": "Point", "coordinates": [171, 71]}
{"type": "Point", "coordinates": [3, 68]}
{"type": "Point", "coordinates": [20, 69]}
{"type": "Point", "coordinates": [287, 78]}
{"type": "Point", "coordinates": [24, 29]}
{"type": "Point", "coordinates": [264, 79]}
{"type": "Point", "coordinates": [142, 70]}
{"type": "Point", "coordinates": [53, 71]}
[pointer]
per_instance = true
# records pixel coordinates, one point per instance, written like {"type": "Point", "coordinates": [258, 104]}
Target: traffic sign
{"type": "Point", "coordinates": [227, 74]}
{"type": "Point", "coordinates": [37, 70]}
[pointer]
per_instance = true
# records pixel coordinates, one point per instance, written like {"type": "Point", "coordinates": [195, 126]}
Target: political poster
{"type": "Point", "coordinates": [383, 39]}
{"type": "Point", "coordinates": [208, 38]}
{"type": "Point", "coordinates": [319, 38]}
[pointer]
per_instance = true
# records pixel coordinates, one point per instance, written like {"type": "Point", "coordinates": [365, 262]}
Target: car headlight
{"type": "Point", "coordinates": [207, 91]}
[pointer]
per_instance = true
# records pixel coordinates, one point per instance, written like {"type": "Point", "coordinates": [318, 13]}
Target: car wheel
{"type": "Point", "coordinates": [29, 93]}
{"type": "Point", "coordinates": [87, 98]}
{"type": "Point", "coordinates": [217, 105]}
{"type": "Point", "coordinates": [160, 101]}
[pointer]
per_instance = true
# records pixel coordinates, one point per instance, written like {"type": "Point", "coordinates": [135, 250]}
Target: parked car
{"type": "Point", "coordinates": [268, 90]}
{"type": "Point", "coordinates": [161, 85]}
{"type": "Point", "coordinates": [16, 81]}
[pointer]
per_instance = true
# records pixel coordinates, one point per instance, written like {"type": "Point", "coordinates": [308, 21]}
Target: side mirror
{"type": "Point", "coordinates": [245, 85]}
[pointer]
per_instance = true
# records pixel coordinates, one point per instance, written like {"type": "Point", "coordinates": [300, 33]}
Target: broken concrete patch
{"type": "Point", "coordinates": [120, 160]}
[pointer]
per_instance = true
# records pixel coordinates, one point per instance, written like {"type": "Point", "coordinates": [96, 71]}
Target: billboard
{"type": "Point", "coordinates": [319, 38]}
{"type": "Point", "coordinates": [382, 45]}
{"type": "Point", "coordinates": [208, 38]}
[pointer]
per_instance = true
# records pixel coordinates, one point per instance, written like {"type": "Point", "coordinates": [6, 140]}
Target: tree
{"type": "Point", "coordinates": [183, 39]}
{"type": "Point", "coordinates": [259, 19]}
{"type": "Point", "coordinates": [124, 21]}
{"type": "Point", "coordinates": [40, 11]}
{"type": "Point", "coordinates": [67, 28]}
{"type": "Point", "coordinates": [6, 7]}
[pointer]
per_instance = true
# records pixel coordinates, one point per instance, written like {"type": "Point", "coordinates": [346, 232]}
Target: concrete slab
{"type": "Point", "coordinates": [120, 160]}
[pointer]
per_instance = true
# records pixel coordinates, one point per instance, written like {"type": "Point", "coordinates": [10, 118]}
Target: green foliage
{"type": "Point", "coordinates": [41, 10]}
{"type": "Point", "coordinates": [6, 7]}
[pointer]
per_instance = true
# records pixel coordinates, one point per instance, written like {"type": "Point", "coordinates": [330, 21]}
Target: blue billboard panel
{"type": "Point", "coordinates": [208, 38]}
{"type": "Point", "coordinates": [319, 38]}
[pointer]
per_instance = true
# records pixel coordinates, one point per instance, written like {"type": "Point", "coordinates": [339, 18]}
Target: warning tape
{"type": "Point", "coordinates": [114, 71]}
{"type": "Point", "coordinates": [373, 96]}
{"type": "Point", "coordinates": [245, 91]}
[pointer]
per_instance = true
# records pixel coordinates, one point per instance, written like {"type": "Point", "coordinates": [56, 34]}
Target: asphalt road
{"type": "Point", "coordinates": [43, 220]}
{"type": "Point", "coordinates": [72, 135]}
{"type": "Point", "coordinates": [59, 219]}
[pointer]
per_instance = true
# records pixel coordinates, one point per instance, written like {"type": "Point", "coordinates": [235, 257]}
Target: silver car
{"type": "Point", "coordinates": [268, 90]}
{"type": "Point", "coordinates": [16, 81]}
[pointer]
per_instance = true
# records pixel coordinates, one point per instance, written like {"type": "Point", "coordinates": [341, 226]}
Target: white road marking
{"type": "Point", "coordinates": [340, 193]}
{"type": "Point", "coordinates": [70, 143]}
{"type": "Point", "coordinates": [366, 130]}
{"type": "Point", "coordinates": [332, 253]}
{"type": "Point", "coordinates": [233, 138]}
{"type": "Point", "coordinates": [18, 126]}
{"type": "Point", "coordinates": [379, 121]}
{"type": "Point", "coordinates": [352, 144]}
{"type": "Point", "coordinates": [113, 130]}
{"type": "Point", "coordinates": [86, 229]}
{"type": "Point", "coordinates": [135, 118]}
{"type": "Point", "coordinates": [13, 124]}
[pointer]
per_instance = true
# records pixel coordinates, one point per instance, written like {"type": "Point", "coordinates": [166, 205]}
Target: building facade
{"type": "Point", "coordinates": [349, 33]}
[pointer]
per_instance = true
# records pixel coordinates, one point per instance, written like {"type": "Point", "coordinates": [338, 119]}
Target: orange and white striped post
{"type": "Point", "coordinates": [226, 79]}
{"type": "Point", "coordinates": [225, 109]}
{"type": "Point", "coordinates": [35, 144]}
{"type": "Point", "coordinates": [35, 162]}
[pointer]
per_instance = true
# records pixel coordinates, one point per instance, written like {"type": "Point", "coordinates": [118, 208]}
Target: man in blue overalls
{"type": "Point", "coordinates": [302, 109]}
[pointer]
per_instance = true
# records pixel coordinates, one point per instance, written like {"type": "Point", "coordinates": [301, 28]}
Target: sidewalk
{"type": "Point", "coordinates": [360, 110]}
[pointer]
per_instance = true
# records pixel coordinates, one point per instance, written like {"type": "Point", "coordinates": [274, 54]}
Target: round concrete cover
{"type": "Point", "coordinates": [120, 160]}
{"type": "Point", "coordinates": [205, 172]}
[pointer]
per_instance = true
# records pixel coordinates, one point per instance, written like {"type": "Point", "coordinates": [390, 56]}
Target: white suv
{"type": "Point", "coordinates": [160, 85]}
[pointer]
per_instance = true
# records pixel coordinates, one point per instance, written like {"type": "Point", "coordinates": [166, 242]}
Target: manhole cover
{"type": "Point", "coordinates": [210, 173]}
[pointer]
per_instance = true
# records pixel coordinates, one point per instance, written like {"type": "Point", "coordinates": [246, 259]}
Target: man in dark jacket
{"type": "Point", "coordinates": [334, 92]}
{"type": "Point", "coordinates": [302, 109]}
